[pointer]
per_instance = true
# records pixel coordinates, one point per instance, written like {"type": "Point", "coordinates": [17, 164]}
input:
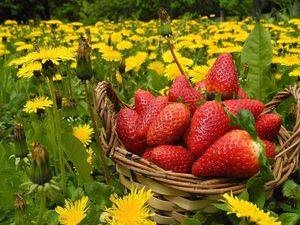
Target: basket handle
{"type": "Point", "coordinates": [107, 112]}
{"type": "Point", "coordinates": [283, 95]}
{"type": "Point", "coordinates": [291, 139]}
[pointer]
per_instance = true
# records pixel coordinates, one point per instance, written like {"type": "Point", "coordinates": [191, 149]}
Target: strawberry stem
{"type": "Point", "coordinates": [174, 56]}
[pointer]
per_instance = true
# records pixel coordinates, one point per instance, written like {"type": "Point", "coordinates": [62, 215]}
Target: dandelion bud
{"type": "Point", "coordinates": [21, 149]}
{"type": "Point", "coordinates": [40, 170]}
{"type": "Point", "coordinates": [84, 67]}
{"type": "Point", "coordinates": [122, 67]}
{"type": "Point", "coordinates": [164, 28]}
{"type": "Point", "coordinates": [20, 202]}
{"type": "Point", "coordinates": [20, 205]}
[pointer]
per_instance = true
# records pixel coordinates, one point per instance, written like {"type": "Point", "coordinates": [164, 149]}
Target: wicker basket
{"type": "Point", "coordinates": [178, 195]}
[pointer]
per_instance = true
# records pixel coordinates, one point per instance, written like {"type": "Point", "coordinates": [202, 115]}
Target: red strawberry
{"type": "Point", "coordinates": [235, 154]}
{"type": "Point", "coordinates": [126, 124]}
{"type": "Point", "coordinates": [149, 114]}
{"type": "Point", "coordinates": [171, 157]}
{"type": "Point", "coordinates": [242, 94]}
{"type": "Point", "coordinates": [181, 88]}
{"type": "Point", "coordinates": [209, 122]}
{"type": "Point", "coordinates": [222, 77]}
{"type": "Point", "coordinates": [180, 82]}
{"type": "Point", "coordinates": [169, 125]}
{"type": "Point", "coordinates": [270, 149]}
{"type": "Point", "coordinates": [142, 99]}
{"type": "Point", "coordinates": [200, 87]}
{"type": "Point", "coordinates": [268, 126]}
{"type": "Point", "coordinates": [235, 105]}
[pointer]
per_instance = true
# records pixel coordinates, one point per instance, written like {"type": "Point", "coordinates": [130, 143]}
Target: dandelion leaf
{"type": "Point", "coordinates": [257, 56]}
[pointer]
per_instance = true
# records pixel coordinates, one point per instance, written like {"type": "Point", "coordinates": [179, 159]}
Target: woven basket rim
{"type": "Point", "coordinates": [286, 159]}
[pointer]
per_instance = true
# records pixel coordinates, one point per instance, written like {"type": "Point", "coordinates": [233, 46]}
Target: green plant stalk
{"type": "Point", "coordinates": [53, 140]}
{"type": "Point", "coordinates": [70, 85]}
{"type": "Point", "coordinates": [42, 208]}
{"type": "Point", "coordinates": [58, 133]}
{"type": "Point", "coordinates": [102, 154]}
{"type": "Point", "coordinates": [174, 56]}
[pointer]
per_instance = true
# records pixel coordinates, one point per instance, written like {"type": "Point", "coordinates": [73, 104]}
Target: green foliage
{"type": "Point", "coordinates": [256, 191]}
{"type": "Point", "coordinates": [291, 190]}
{"type": "Point", "coordinates": [289, 218]}
{"type": "Point", "coordinates": [77, 154]}
{"type": "Point", "coordinates": [191, 221]}
{"type": "Point", "coordinates": [242, 8]}
{"type": "Point", "coordinates": [257, 54]}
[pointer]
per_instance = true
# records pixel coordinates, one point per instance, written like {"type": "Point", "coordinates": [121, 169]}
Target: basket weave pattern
{"type": "Point", "coordinates": [178, 195]}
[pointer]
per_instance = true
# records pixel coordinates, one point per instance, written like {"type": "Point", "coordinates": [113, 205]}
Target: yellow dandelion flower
{"type": "Point", "coordinates": [73, 65]}
{"type": "Point", "coordinates": [287, 60]}
{"type": "Point", "coordinates": [116, 37]}
{"type": "Point", "coordinates": [295, 72]}
{"type": "Point", "coordinates": [168, 57]}
{"type": "Point", "coordinates": [83, 133]}
{"type": "Point", "coordinates": [249, 211]}
{"type": "Point", "coordinates": [185, 61]}
{"type": "Point", "coordinates": [28, 70]}
{"type": "Point", "coordinates": [134, 62]}
{"type": "Point", "coordinates": [52, 54]}
{"type": "Point", "coordinates": [57, 77]}
{"type": "Point", "coordinates": [172, 71]}
{"type": "Point", "coordinates": [72, 213]}
{"type": "Point", "coordinates": [164, 91]}
{"type": "Point", "coordinates": [278, 76]}
{"type": "Point", "coordinates": [38, 103]}
{"type": "Point", "coordinates": [124, 45]}
{"type": "Point", "coordinates": [198, 73]}
{"type": "Point", "coordinates": [131, 209]}
{"type": "Point", "coordinates": [89, 159]}
{"type": "Point", "coordinates": [152, 55]}
{"type": "Point", "coordinates": [140, 31]}
{"type": "Point", "coordinates": [157, 66]}
{"type": "Point", "coordinates": [119, 77]}
{"type": "Point", "coordinates": [136, 38]}
{"type": "Point", "coordinates": [4, 52]}
{"type": "Point", "coordinates": [24, 47]}
{"type": "Point", "coordinates": [112, 56]}
{"type": "Point", "coordinates": [10, 22]}
{"type": "Point", "coordinates": [53, 22]}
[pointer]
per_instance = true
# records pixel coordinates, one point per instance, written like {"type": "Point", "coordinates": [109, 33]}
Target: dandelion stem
{"type": "Point", "coordinates": [42, 207]}
{"type": "Point", "coordinates": [174, 56]}
{"type": "Point", "coordinates": [57, 132]}
{"type": "Point", "coordinates": [70, 85]}
{"type": "Point", "coordinates": [96, 131]}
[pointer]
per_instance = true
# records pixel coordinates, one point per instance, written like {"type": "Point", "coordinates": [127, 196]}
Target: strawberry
{"type": "Point", "coordinates": [142, 99]}
{"type": "Point", "coordinates": [181, 88]}
{"type": "Point", "coordinates": [149, 114]}
{"type": "Point", "coordinates": [270, 148]}
{"type": "Point", "coordinates": [222, 77]}
{"type": "Point", "coordinates": [209, 122]}
{"type": "Point", "coordinates": [235, 154]}
{"type": "Point", "coordinates": [268, 126]}
{"type": "Point", "coordinates": [169, 125]}
{"type": "Point", "coordinates": [242, 94]}
{"type": "Point", "coordinates": [235, 105]}
{"type": "Point", "coordinates": [126, 124]}
{"type": "Point", "coordinates": [171, 157]}
{"type": "Point", "coordinates": [200, 87]}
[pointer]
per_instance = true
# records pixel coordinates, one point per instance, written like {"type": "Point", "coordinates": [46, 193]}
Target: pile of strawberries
{"type": "Point", "coordinates": [188, 133]}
